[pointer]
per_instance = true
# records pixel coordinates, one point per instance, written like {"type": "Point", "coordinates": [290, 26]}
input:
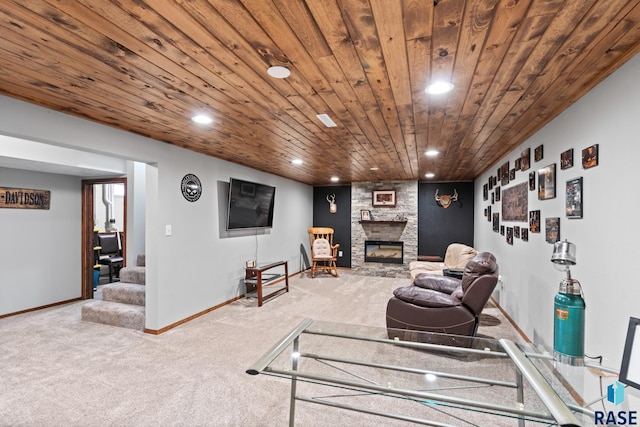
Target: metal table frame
{"type": "Point", "coordinates": [561, 413]}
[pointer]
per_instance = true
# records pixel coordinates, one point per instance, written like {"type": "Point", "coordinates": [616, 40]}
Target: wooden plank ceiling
{"type": "Point", "coordinates": [147, 66]}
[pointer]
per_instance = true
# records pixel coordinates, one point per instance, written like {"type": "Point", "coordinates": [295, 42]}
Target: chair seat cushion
{"type": "Point", "coordinates": [110, 260]}
{"type": "Point", "coordinates": [425, 297]}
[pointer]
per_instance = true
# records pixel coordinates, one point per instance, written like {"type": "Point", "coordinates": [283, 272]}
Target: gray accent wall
{"type": "Point", "coordinates": [40, 252]}
{"type": "Point", "coordinates": [438, 227]}
{"type": "Point", "coordinates": [339, 221]}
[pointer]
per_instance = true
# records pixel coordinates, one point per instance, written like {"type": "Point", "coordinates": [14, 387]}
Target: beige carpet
{"type": "Point", "coordinates": [56, 370]}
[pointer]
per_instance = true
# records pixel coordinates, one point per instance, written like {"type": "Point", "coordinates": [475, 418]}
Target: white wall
{"type": "Point", "coordinates": [607, 236]}
{"type": "Point", "coordinates": [136, 210]}
{"type": "Point", "coordinates": [200, 265]}
{"type": "Point", "coordinates": [40, 249]}
{"type": "Point", "coordinates": [100, 209]}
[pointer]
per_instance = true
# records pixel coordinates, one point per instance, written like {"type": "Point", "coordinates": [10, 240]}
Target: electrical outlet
{"type": "Point", "coordinates": [340, 254]}
{"type": "Point", "coordinates": [167, 230]}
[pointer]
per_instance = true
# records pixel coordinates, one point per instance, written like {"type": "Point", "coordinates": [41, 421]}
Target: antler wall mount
{"type": "Point", "coordinates": [333, 206]}
{"type": "Point", "coordinates": [446, 200]}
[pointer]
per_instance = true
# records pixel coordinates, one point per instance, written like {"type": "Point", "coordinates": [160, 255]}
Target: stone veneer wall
{"type": "Point", "coordinates": [406, 205]}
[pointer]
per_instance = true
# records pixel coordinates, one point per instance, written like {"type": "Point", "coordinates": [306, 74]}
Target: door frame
{"type": "Point", "coordinates": [88, 220]}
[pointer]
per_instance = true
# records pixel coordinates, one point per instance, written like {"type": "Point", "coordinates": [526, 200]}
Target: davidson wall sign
{"type": "Point", "coordinates": [22, 198]}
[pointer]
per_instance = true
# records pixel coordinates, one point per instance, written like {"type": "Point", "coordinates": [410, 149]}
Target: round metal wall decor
{"type": "Point", "coordinates": [191, 187]}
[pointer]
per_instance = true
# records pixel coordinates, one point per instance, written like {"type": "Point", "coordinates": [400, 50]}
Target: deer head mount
{"type": "Point", "coordinates": [445, 201]}
{"type": "Point", "coordinates": [333, 207]}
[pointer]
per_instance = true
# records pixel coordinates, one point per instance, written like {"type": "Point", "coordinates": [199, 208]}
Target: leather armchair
{"type": "Point", "coordinates": [444, 304]}
{"type": "Point", "coordinates": [456, 257]}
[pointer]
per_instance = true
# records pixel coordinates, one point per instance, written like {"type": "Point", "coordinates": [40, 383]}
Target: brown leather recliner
{"type": "Point", "coordinates": [444, 304]}
{"type": "Point", "coordinates": [456, 257]}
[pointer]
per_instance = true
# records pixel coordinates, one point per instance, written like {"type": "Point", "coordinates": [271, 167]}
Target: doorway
{"type": "Point", "coordinates": [104, 204]}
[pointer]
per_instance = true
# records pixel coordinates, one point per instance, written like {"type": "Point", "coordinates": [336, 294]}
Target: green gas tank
{"type": "Point", "coordinates": [568, 325]}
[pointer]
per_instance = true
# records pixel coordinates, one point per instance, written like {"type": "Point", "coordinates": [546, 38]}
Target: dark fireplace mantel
{"type": "Point", "coordinates": [381, 251]}
{"type": "Point", "coordinates": [390, 222]}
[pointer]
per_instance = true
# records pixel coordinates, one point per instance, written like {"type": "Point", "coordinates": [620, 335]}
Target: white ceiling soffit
{"type": "Point", "coordinates": [19, 153]}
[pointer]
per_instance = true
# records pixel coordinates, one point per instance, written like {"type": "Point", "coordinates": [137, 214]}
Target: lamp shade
{"type": "Point", "coordinates": [564, 253]}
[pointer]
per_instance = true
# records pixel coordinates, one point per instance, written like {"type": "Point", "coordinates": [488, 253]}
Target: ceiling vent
{"type": "Point", "coordinates": [324, 118]}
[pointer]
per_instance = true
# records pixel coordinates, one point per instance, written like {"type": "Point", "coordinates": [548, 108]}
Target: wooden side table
{"type": "Point", "coordinates": [432, 258]}
{"type": "Point", "coordinates": [255, 278]}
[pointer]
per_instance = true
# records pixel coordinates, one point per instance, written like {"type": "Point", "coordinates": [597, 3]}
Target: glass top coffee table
{"type": "Point", "coordinates": [432, 379]}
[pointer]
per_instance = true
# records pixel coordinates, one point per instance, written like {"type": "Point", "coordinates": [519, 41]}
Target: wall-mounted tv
{"type": "Point", "coordinates": [250, 205]}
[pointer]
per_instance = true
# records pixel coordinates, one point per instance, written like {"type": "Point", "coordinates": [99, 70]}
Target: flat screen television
{"type": "Point", "coordinates": [250, 205]}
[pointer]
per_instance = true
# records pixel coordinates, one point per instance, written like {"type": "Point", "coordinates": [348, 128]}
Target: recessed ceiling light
{"type": "Point", "coordinates": [431, 153]}
{"type": "Point", "coordinates": [202, 119]}
{"type": "Point", "coordinates": [430, 175]}
{"type": "Point", "coordinates": [375, 168]}
{"type": "Point", "coordinates": [297, 161]}
{"type": "Point", "coordinates": [439, 87]}
{"type": "Point", "coordinates": [335, 179]}
{"type": "Point", "coordinates": [324, 118]}
{"type": "Point", "coordinates": [279, 72]}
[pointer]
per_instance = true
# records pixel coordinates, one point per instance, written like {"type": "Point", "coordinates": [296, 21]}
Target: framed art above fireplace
{"type": "Point", "coordinates": [383, 198]}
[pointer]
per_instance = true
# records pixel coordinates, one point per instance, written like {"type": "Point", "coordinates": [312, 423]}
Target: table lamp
{"type": "Point", "coordinates": [569, 307]}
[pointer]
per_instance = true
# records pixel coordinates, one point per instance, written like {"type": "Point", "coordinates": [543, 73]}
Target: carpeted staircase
{"type": "Point", "coordinates": [123, 303]}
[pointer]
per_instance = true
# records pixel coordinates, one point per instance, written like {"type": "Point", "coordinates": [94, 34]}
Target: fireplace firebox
{"type": "Point", "coordinates": [383, 251]}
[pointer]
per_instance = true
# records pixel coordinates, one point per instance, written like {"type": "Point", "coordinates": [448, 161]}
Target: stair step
{"type": "Point", "coordinates": [126, 293]}
{"type": "Point", "coordinates": [115, 314]}
{"type": "Point", "coordinates": [133, 275]}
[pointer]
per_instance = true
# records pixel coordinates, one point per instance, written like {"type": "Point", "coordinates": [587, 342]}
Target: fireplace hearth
{"type": "Point", "coordinates": [384, 251]}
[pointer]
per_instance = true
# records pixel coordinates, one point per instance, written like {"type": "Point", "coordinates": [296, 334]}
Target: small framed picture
{"type": "Point", "coordinates": [538, 153]}
{"type": "Point", "coordinates": [510, 235]}
{"type": "Point", "coordinates": [365, 215]}
{"type": "Point", "coordinates": [489, 213]}
{"type": "Point", "coordinates": [516, 231]}
{"type": "Point", "coordinates": [525, 234]}
{"type": "Point", "coordinates": [566, 159]}
{"type": "Point", "coordinates": [547, 182]}
{"type": "Point", "coordinates": [518, 163]}
{"type": "Point", "coordinates": [534, 221]}
{"type": "Point", "coordinates": [485, 192]}
{"type": "Point", "coordinates": [512, 174]}
{"type": "Point", "coordinates": [574, 198]}
{"type": "Point", "coordinates": [497, 194]}
{"type": "Point", "coordinates": [552, 229]}
{"type": "Point", "coordinates": [496, 222]}
{"type": "Point", "coordinates": [502, 230]}
{"type": "Point", "coordinates": [525, 159]}
{"type": "Point", "coordinates": [383, 198]}
{"type": "Point", "coordinates": [590, 157]}
{"type": "Point", "coordinates": [532, 181]}
{"type": "Point", "coordinates": [490, 183]}
{"type": "Point", "coordinates": [493, 198]}
{"type": "Point", "coordinates": [504, 173]}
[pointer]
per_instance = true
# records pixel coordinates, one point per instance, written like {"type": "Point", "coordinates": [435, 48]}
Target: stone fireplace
{"type": "Point", "coordinates": [390, 224]}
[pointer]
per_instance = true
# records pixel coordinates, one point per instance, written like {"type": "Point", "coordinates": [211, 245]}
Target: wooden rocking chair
{"type": "Point", "coordinates": [324, 253]}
